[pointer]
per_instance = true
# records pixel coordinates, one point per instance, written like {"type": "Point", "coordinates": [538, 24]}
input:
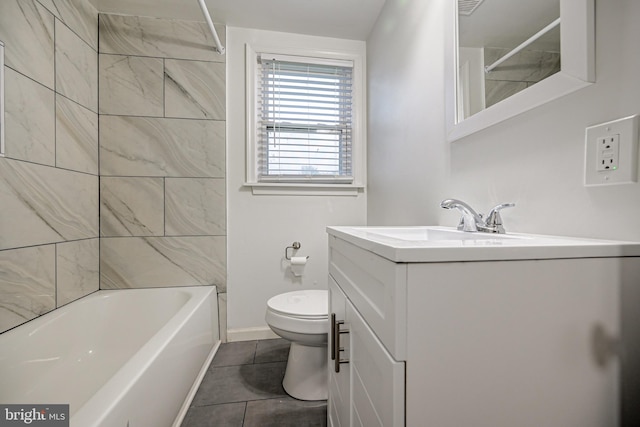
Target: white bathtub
{"type": "Point", "coordinates": [118, 358]}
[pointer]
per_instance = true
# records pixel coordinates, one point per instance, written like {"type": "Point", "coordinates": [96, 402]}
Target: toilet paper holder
{"type": "Point", "coordinates": [294, 246]}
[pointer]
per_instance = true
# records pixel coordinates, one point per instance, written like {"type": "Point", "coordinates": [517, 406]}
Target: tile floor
{"type": "Point", "coordinates": [243, 388]}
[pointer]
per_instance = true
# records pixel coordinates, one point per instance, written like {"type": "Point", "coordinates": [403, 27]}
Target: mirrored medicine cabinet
{"type": "Point", "coordinates": [505, 57]}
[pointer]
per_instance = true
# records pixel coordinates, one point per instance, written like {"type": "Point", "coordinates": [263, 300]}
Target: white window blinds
{"type": "Point", "coordinates": [304, 120]}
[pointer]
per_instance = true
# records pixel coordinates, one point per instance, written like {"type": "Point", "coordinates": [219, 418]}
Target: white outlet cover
{"type": "Point", "coordinates": [627, 170]}
{"type": "Point", "coordinates": [608, 153]}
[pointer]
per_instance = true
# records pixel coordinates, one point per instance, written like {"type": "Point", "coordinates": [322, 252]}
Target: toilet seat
{"type": "Point", "coordinates": [304, 312]}
{"type": "Point", "coordinates": [310, 304]}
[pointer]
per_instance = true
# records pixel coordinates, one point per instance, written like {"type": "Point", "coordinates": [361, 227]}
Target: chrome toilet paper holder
{"type": "Point", "coordinates": [294, 246]}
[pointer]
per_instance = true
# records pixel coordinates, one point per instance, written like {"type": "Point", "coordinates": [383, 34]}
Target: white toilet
{"type": "Point", "coordinates": [302, 318]}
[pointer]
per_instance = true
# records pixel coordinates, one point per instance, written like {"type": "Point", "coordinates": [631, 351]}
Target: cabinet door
{"type": "Point", "coordinates": [339, 400]}
{"type": "Point", "coordinates": [514, 343]}
{"type": "Point", "coordinates": [377, 397]}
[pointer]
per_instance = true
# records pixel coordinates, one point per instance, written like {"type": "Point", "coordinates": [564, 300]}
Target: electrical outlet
{"type": "Point", "coordinates": [608, 153]}
{"type": "Point", "coordinates": [611, 152]}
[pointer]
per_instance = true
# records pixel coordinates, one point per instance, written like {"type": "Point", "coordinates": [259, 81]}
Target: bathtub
{"type": "Point", "coordinates": [118, 357]}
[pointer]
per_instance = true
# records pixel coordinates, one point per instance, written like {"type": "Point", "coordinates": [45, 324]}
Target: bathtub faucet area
{"type": "Point", "coordinates": [472, 221]}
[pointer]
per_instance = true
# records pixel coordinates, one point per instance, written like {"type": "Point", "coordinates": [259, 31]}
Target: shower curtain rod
{"type": "Point", "coordinates": [207, 17]}
{"type": "Point", "coordinates": [524, 44]}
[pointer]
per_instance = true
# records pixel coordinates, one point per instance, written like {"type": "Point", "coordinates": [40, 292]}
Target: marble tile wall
{"type": "Point", "coordinates": [49, 227]}
{"type": "Point", "coordinates": [522, 70]}
{"type": "Point", "coordinates": [162, 154]}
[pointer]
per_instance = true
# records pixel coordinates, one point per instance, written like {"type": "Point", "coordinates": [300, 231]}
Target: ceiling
{"type": "Point", "coordinates": [347, 19]}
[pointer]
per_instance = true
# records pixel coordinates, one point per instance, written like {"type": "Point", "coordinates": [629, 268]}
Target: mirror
{"type": "Point", "coordinates": [509, 56]}
{"type": "Point", "coordinates": [504, 47]}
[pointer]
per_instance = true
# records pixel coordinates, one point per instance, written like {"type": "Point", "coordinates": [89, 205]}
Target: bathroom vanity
{"type": "Point", "coordinates": [437, 327]}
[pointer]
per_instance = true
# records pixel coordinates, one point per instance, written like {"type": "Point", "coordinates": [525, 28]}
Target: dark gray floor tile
{"type": "Point", "coordinates": [235, 353]}
{"type": "Point", "coordinates": [276, 350]}
{"type": "Point", "coordinates": [224, 415]}
{"type": "Point", "coordinates": [286, 412]}
{"type": "Point", "coordinates": [240, 383]}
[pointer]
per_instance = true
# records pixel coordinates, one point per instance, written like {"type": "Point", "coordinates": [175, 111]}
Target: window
{"type": "Point", "coordinates": [305, 122]}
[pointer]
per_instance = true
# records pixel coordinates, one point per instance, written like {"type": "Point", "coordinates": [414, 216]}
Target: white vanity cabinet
{"type": "Point", "coordinates": [495, 343]}
{"type": "Point", "coordinates": [367, 388]}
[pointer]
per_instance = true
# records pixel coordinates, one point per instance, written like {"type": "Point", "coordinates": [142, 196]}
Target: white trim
{"type": "Point", "coordinates": [307, 59]}
{"type": "Point", "coordinates": [250, 334]}
{"type": "Point", "coordinates": [297, 189]}
{"type": "Point", "coordinates": [359, 156]}
{"type": "Point", "coordinates": [578, 71]}
{"type": "Point", "coordinates": [251, 84]}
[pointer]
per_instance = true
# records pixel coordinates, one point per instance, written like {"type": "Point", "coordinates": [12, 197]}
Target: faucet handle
{"type": "Point", "coordinates": [494, 220]}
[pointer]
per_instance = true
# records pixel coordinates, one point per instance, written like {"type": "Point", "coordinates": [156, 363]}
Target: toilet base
{"type": "Point", "coordinates": [306, 375]}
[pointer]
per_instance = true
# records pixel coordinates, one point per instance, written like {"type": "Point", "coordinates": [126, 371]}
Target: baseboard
{"type": "Point", "coordinates": [250, 334]}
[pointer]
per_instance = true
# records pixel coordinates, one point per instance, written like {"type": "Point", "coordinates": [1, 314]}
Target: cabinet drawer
{"type": "Point", "coordinates": [378, 385]}
{"type": "Point", "coordinates": [377, 288]}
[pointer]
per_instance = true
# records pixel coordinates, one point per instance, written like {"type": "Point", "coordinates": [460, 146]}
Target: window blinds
{"type": "Point", "coordinates": [304, 120]}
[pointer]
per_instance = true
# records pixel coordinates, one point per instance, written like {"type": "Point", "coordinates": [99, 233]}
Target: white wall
{"type": "Point", "coordinates": [535, 159]}
{"type": "Point", "coordinates": [261, 226]}
{"type": "Point", "coordinates": [407, 158]}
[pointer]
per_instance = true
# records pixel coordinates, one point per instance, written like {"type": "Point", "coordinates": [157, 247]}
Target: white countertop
{"type": "Point", "coordinates": [443, 244]}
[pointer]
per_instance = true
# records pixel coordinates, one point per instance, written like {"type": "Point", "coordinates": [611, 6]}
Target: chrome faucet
{"type": "Point", "coordinates": [494, 220]}
{"type": "Point", "coordinates": [473, 221]}
{"type": "Point", "coordinates": [470, 219]}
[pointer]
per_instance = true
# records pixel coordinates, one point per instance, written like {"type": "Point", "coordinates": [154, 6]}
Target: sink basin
{"type": "Point", "coordinates": [416, 234]}
{"type": "Point", "coordinates": [444, 244]}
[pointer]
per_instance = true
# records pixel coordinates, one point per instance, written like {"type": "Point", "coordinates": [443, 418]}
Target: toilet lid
{"type": "Point", "coordinates": [311, 304]}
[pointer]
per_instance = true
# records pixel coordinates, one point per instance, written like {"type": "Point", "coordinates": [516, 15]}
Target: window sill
{"type": "Point", "coordinates": [301, 189]}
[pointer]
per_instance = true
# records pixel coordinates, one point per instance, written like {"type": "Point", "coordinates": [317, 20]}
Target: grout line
{"type": "Point", "coordinates": [48, 243]}
{"type": "Point", "coordinates": [138, 116]}
{"type": "Point", "coordinates": [55, 272]}
{"type": "Point", "coordinates": [55, 104]}
{"type": "Point", "coordinates": [244, 414]}
{"type": "Point", "coordinates": [98, 160]}
{"type": "Point", "coordinates": [170, 58]}
{"type": "Point", "coordinates": [255, 350]}
{"type": "Point", "coordinates": [51, 166]}
{"type": "Point", "coordinates": [99, 166]}
{"type": "Point", "coordinates": [164, 88]}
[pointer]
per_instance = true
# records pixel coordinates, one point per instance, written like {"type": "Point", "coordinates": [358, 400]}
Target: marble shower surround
{"type": "Point", "coordinates": [48, 181]}
{"type": "Point", "coordinates": [131, 85]}
{"type": "Point", "coordinates": [49, 184]}
{"type": "Point", "coordinates": [30, 119]}
{"type": "Point", "coordinates": [160, 38]}
{"type": "Point", "coordinates": [44, 205]}
{"type": "Point", "coordinates": [190, 89]}
{"type": "Point", "coordinates": [517, 73]}
{"type": "Point", "coordinates": [76, 68]}
{"type": "Point", "coordinates": [162, 154]}
{"type": "Point", "coordinates": [163, 147]}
